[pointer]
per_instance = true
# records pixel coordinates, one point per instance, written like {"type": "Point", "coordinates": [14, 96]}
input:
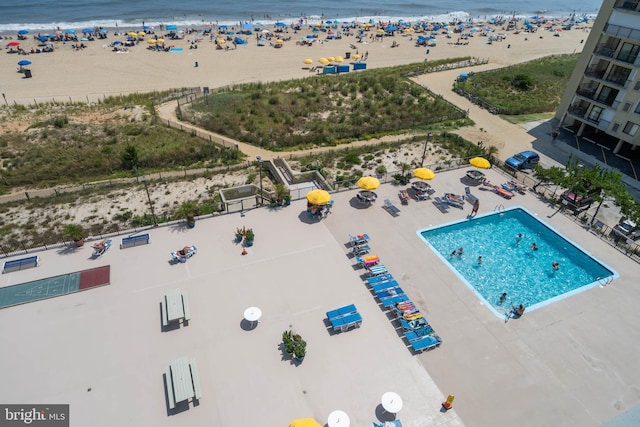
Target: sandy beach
{"type": "Point", "coordinates": [96, 71]}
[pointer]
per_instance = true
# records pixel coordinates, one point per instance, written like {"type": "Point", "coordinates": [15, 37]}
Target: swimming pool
{"type": "Point", "coordinates": [510, 264]}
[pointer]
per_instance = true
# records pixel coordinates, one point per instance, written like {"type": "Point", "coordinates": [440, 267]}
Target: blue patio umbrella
{"type": "Point", "coordinates": [23, 32]}
{"type": "Point", "coordinates": [70, 31]}
{"type": "Point", "coordinates": [247, 26]}
{"type": "Point", "coordinates": [102, 30]}
{"type": "Point", "coordinates": [171, 27]}
{"type": "Point", "coordinates": [224, 27]}
{"type": "Point", "coordinates": [391, 28]}
{"type": "Point", "coordinates": [43, 38]}
{"type": "Point", "coordinates": [117, 42]}
{"type": "Point", "coordinates": [280, 24]}
{"type": "Point", "coordinates": [87, 30]}
{"type": "Point", "coordinates": [24, 63]}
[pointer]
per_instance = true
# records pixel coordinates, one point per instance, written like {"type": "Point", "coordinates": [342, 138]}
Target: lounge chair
{"type": "Point", "coordinates": [359, 239]}
{"type": "Point", "coordinates": [360, 250]}
{"type": "Point", "coordinates": [100, 251]}
{"type": "Point", "coordinates": [404, 197]}
{"type": "Point", "coordinates": [411, 325]}
{"type": "Point", "coordinates": [389, 292]}
{"type": "Point", "coordinates": [389, 207]}
{"type": "Point", "coordinates": [378, 287]}
{"type": "Point", "coordinates": [441, 204]}
{"type": "Point", "coordinates": [470, 197]}
{"type": "Point", "coordinates": [183, 258]}
{"type": "Point", "coordinates": [502, 192]}
{"type": "Point", "coordinates": [379, 279]}
{"type": "Point", "coordinates": [454, 200]}
{"type": "Point", "coordinates": [426, 343]}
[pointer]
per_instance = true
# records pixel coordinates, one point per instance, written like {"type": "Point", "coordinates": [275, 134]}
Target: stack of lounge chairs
{"type": "Point", "coordinates": [390, 296]}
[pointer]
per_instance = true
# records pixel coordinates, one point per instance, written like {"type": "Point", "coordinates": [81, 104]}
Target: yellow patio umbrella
{"type": "Point", "coordinates": [318, 197]}
{"type": "Point", "coordinates": [380, 31]}
{"type": "Point", "coordinates": [142, 33]}
{"type": "Point", "coordinates": [355, 56]}
{"type": "Point", "coordinates": [368, 183]}
{"type": "Point", "coordinates": [132, 33]}
{"type": "Point", "coordinates": [308, 61]}
{"type": "Point", "coordinates": [305, 422]}
{"type": "Point", "coordinates": [323, 61]}
{"type": "Point", "coordinates": [159, 40]}
{"type": "Point", "coordinates": [424, 173]}
{"type": "Point", "coordinates": [331, 58]}
{"type": "Point", "coordinates": [151, 41]}
{"type": "Point", "coordinates": [279, 41]}
{"type": "Point", "coordinates": [338, 59]}
{"type": "Point", "coordinates": [480, 162]}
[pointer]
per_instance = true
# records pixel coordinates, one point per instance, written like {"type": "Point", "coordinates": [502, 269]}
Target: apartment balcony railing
{"type": "Point", "coordinates": [627, 4]}
{"type": "Point", "coordinates": [622, 32]}
{"type": "Point", "coordinates": [604, 50]}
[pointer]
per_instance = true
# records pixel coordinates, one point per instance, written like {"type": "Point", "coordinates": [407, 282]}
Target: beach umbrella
{"type": "Point", "coordinates": [331, 58]}
{"type": "Point", "coordinates": [24, 63]}
{"type": "Point", "coordinates": [221, 41]}
{"type": "Point", "coordinates": [13, 43]}
{"type": "Point", "coordinates": [247, 26]}
{"type": "Point", "coordinates": [323, 61]}
{"type": "Point", "coordinates": [308, 61]}
{"type": "Point", "coordinates": [151, 41]}
{"type": "Point", "coordinates": [279, 41]}
{"type": "Point", "coordinates": [355, 56]}
{"type": "Point", "coordinates": [424, 174]}
{"type": "Point", "coordinates": [305, 422]}
{"type": "Point", "coordinates": [171, 27]}
{"type": "Point", "coordinates": [159, 40]}
{"type": "Point", "coordinates": [116, 42]}
{"type": "Point", "coordinates": [318, 197]}
{"type": "Point", "coordinates": [480, 162]}
{"type": "Point", "coordinates": [70, 31]}
{"type": "Point", "coordinates": [23, 32]}
{"type": "Point", "coordinates": [43, 38]}
{"type": "Point", "coordinates": [132, 33]}
{"type": "Point", "coordinates": [380, 31]}
{"type": "Point", "coordinates": [338, 59]}
{"type": "Point", "coordinates": [87, 30]}
{"type": "Point", "coordinates": [102, 31]}
{"type": "Point", "coordinates": [280, 24]}
{"type": "Point", "coordinates": [368, 183]}
{"type": "Point", "coordinates": [142, 33]}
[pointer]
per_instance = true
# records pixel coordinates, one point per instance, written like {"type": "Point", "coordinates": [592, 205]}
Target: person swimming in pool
{"type": "Point", "coordinates": [534, 247]}
{"type": "Point", "coordinates": [518, 238]}
{"type": "Point", "coordinates": [480, 260]}
{"type": "Point", "coordinates": [555, 265]}
{"type": "Point", "coordinates": [503, 298]}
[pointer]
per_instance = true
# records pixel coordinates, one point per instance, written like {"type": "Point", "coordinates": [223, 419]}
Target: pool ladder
{"type": "Point", "coordinates": [499, 208]}
{"type": "Point", "coordinates": [604, 281]}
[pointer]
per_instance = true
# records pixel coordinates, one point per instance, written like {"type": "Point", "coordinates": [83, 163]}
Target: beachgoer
{"type": "Point", "coordinates": [519, 311]}
{"type": "Point", "coordinates": [100, 245]}
{"type": "Point", "coordinates": [518, 238]}
{"type": "Point", "coordinates": [184, 251]}
{"type": "Point", "coordinates": [555, 265]}
{"type": "Point", "coordinates": [503, 298]}
{"type": "Point", "coordinates": [534, 247]}
{"type": "Point", "coordinates": [476, 206]}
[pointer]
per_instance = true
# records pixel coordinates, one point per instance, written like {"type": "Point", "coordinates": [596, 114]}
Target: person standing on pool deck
{"type": "Point", "coordinates": [476, 206]}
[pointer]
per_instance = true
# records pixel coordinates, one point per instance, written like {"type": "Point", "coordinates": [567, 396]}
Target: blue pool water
{"type": "Point", "coordinates": [513, 267]}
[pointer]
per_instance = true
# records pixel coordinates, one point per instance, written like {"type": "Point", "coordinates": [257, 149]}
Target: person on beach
{"type": "Point", "coordinates": [184, 251]}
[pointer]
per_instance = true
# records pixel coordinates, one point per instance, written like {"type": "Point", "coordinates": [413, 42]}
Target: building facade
{"type": "Point", "coordinates": [602, 99]}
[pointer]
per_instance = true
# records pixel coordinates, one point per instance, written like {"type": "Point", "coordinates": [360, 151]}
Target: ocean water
{"type": "Point", "coordinates": [45, 15]}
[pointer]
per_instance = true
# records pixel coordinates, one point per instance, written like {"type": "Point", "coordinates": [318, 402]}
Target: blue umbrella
{"type": "Point", "coordinates": [247, 26]}
{"type": "Point", "coordinates": [70, 31]}
{"type": "Point", "coordinates": [87, 30]}
{"type": "Point", "coordinates": [117, 42]}
{"type": "Point", "coordinates": [102, 30]}
{"type": "Point", "coordinates": [280, 24]}
{"type": "Point", "coordinates": [23, 32]}
{"type": "Point", "coordinates": [24, 63]}
{"type": "Point", "coordinates": [172, 27]}
{"type": "Point", "coordinates": [43, 38]}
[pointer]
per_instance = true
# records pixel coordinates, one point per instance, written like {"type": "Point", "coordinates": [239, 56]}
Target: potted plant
{"type": "Point", "coordinates": [74, 232]}
{"type": "Point", "coordinates": [188, 210]}
{"type": "Point", "coordinates": [248, 237]}
{"type": "Point", "coordinates": [287, 200]}
{"type": "Point", "coordinates": [281, 191]}
{"type": "Point", "coordinates": [239, 234]}
{"type": "Point", "coordinates": [294, 345]}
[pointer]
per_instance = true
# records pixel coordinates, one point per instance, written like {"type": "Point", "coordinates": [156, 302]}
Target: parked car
{"type": "Point", "coordinates": [524, 160]}
{"type": "Point", "coordinates": [576, 201]}
{"type": "Point", "coordinates": [627, 229]}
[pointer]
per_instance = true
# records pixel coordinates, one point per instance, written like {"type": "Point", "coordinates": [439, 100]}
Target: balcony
{"type": "Point", "coordinates": [627, 4]}
{"type": "Point", "coordinates": [605, 51]}
{"type": "Point", "coordinates": [622, 32]}
{"type": "Point", "coordinates": [595, 72]}
{"type": "Point", "coordinates": [578, 110]}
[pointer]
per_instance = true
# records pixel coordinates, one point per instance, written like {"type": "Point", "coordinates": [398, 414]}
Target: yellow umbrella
{"type": "Point", "coordinates": [338, 59]}
{"type": "Point", "coordinates": [221, 41]}
{"type": "Point", "coordinates": [323, 61]}
{"type": "Point", "coordinates": [355, 56]}
{"type": "Point", "coordinates": [331, 58]}
{"type": "Point", "coordinates": [308, 61]}
{"type": "Point", "coordinates": [159, 40]}
{"type": "Point", "coordinates": [318, 197]}
{"type": "Point", "coordinates": [279, 41]}
{"type": "Point", "coordinates": [132, 33]}
{"type": "Point", "coordinates": [424, 173]}
{"type": "Point", "coordinates": [305, 422]}
{"type": "Point", "coordinates": [142, 33]}
{"type": "Point", "coordinates": [368, 183]}
{"type": "Point", "coordinates": [380, 31]}
{"type": "Point", "coordinates": [151, 41]}
{"type": "Point", "coordinates": [480, 162]}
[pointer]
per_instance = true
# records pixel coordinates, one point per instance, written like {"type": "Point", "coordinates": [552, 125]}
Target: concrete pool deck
{"type": "Point", "coordinates": [572, 363]}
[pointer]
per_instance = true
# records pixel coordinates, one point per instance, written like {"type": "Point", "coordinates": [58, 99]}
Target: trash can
{"type": "Point", "coordinates": [27, 74]}
{"type": "Point", "coordinates": [347, 55]}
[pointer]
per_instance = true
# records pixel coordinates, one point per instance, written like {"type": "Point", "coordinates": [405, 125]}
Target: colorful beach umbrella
{"type": "Point", "coordinates": [308, 61]}
{"type": "Point", "coordinates": [480, 162]}
{"type": "Point", "coordinates": [318, 197]}
{"type": "Point", "coordinates": [13, 43]}
{"type": "Point", "coordinates": [424, 174]}
{"type": "Point", "coordinates": [368, 183]}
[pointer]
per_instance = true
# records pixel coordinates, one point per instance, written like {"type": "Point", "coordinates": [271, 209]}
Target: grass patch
{"type": "Point", "coordinates": [525, 118]}
{"type": "Point", "coordinates": [325, 110]}
{"type": "Point", "coordinates": [529, 88]}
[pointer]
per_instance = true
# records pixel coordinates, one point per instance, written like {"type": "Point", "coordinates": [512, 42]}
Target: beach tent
{"type": "Point", "coordinates": [238, 40]}
{"type": "Point", "coordinates": [247, 26]}
{"type": "Point", "coordinates": [172, 27]}
{"type": "Point", "coordinates": [280, 24]}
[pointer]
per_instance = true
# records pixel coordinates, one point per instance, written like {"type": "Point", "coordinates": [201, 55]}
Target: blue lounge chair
{"type": "Point", "coordinates": [389, 292]}
{"type": "Point", "coordinates": [428, 342]}
{"type": "Point", "coordinates": [377, 270]}
{"type": "Point", "coordinates": [105, 247]}
{"type": "Point", "coordinates": [391, 301]}
{"type": "Point", "coordinates": [470, 197]}
{"type": "Point", "coordinates": [383, 278]}
{"type": "Point", "coordinates": [389, 207]}
{"type": "Point", "coordinates": [360, 250]}
{"type": "Point", "coordinates": [441, 204]}
{"type": "Point", "coordinates": [384, 285]}
{"type": "Point", "coordinates": [412, 325]}
{"type": "Point", "coordinates": [359, 240]}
